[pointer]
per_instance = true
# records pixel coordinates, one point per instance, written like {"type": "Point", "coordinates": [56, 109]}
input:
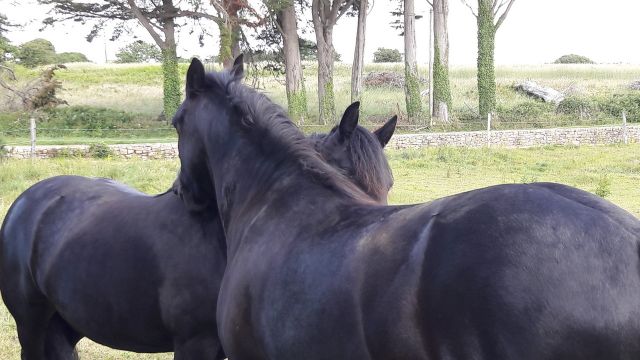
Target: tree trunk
{"type": "Point", "coordinates": [441, 87]}
{"type": "Point", "coordinates": [171, 81]}
{"type": "Point", "coordinates": [324, 41]}
{"type": "Point", "coordinates": [358, 56]}
{"type": "Point", "coordinates": [411, 83]}
{"type": "Point", "coordinates": [296, 94]}
{"type": "Point", "coordinates": [486, 46]}
{"type": "Point", "coordinates": [229, 34]}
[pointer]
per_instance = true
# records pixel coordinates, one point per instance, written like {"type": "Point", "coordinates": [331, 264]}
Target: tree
{"type": "Point", "coordinates": [159, 18]}
{"type": "Point", "coordinates": [489, 17]}
{"type": "Point", "coordinates": [296, 92]}
{"type": "Point", "coordinates": [139, 52]}
{"type": "Point", "coordinates": [440, 81]}
{"type": "Point", "coordinates": [70, 57]}
{"type": "Point", "coordinates": [411, 78]}
{"type": "Point", "coordinates": [358, 56]}
{"type": "Point", "coordinates": [36, 52]}
{"type": "Point", "coordinates": [384, 55]}
{"type": "Point", "coordinates": [324, 15]}
{"type": "Point", "coordinates": [7, 50]}
{"type": "Point", "coordinates": [573, 59]}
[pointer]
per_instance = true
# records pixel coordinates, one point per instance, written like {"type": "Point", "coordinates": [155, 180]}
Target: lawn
{"type": "Point", "coordinates": [420, 175]}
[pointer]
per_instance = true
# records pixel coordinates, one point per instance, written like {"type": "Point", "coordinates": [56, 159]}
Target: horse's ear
{"type": "Point", "coordinates": [195, 77]}
{"type": "Point", "coordinates": [349, 120]}
{"type": "Point", "coordinates": [237, 70]}
{"type": "Point", "coordinates": [385, 132]}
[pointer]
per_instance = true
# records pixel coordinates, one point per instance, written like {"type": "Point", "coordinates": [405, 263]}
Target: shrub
{"type": "Point", "coordinates": [384, 55]}
{"type": "Point", "coordinates": [3, 149]}
{"type": "Point", "coordinates": [615, 104]}
{"type": "Point", "coordinates": [139, 52]}
{"type": "Point", "coordinates": [603, 189]}
{"type": "Point", "coordinates": [576, 106]}
{"type": "Point", "coordinates": [88, 117]}
{"type": "Point", "coordinates": [573, 59]}
{"type": "Point", "coordinates": [529, 110]}
{"type": "Point", "coordinates": [100, 151]}
{"type": "Point", "coordinates": [36, 52]}
{"type": "Point", "coordinates": [71, 57]}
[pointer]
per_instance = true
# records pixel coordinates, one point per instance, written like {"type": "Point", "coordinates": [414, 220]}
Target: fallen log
{"type": "Point", "coordinates": [541, 92]}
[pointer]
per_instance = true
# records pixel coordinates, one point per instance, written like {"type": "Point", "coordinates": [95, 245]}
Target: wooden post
{"type": "Point", "coordinates": [431, 67]}
{"type": "Point", "coordinates": [625, 138]}
{"type": "Point", "coordinates": [32, 130]}
{"type": "Point", "coordinates": [488, 129]}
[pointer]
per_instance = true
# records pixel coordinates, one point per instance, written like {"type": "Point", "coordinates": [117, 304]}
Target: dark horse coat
{"type": "Point", "coordinates": [317, 271]}
{"type": "Point", "coordinates": [84, 257]}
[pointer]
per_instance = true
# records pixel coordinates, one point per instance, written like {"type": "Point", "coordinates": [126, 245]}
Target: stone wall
{"type": "Point", "coordinates": [504, 138]}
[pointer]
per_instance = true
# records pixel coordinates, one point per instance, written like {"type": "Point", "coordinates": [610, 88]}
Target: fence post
{"type": "Point", "coordinates": [488, 129]}
{"type": "Point", "coordinates": [625, 138]}
{"type": "Point", "coordinates": [32, 130]}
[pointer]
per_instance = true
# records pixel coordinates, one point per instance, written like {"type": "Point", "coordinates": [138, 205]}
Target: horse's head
{"type": "Point", "coordinates": [359, 153]}
{"type": "Point", "coordinates": [192, 121]}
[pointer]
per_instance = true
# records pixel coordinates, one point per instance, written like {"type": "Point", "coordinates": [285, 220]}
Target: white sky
{"type": "Point", "coordinates": [535, 32]}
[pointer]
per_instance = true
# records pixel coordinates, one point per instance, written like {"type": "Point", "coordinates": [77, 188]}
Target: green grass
{"type": "Point", "coordinates": [420, 176]}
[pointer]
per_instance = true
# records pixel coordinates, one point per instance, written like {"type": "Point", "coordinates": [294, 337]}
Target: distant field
{"type": "Point", "coordinates": [597, 95]}
{"type": "Point", "coordinates": [420, 176]}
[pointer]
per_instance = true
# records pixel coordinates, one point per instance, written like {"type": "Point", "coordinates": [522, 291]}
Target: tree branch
{"type": "Point", "coordinates": [470, 8]}
{"type": "Point", "coordinates": [430, 3]}
{"type": "Point", "coordinates": [146, 24]}
{"type": "Point", "coordinates": [504, 14]}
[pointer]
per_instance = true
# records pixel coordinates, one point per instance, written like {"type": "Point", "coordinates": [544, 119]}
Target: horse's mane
{"type": "Point", "coordinates": [267, 122]}
{"type": "Point", "coordinates": [370, 166]}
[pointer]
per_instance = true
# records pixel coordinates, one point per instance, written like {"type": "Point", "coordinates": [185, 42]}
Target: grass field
{"type": "Point", "coordinates": [420, 176]}
{"type": "Point", "coordinates": [597, 95]}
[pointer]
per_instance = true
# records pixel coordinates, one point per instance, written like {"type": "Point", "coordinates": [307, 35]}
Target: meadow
{"type": "Point", "coordinates": [132, 94]}
{"type": "Point", "coordinates": [420, 175]}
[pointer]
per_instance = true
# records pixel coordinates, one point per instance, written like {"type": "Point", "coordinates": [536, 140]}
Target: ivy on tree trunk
{"type": "Point", "coordinates": [486, 46]}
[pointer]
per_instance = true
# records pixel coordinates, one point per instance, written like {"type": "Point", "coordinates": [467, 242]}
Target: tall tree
{"type": "Point", "coordinates": [441, 86]}
{"type": "Point", "coordinates": [490, 15]}
{"type": "Point", "coordinates": [158, 18]}
{"type": "Point", "coordinates": [7, 50]}
{"type": "Point", "coordinates": [296, 93]}
{"type": "Point", "coordinates": [411, 77]}
{"type": "Point", "coordinates": [233, 14]}
{"type": "Point", "coordinates": [358, 56]}
{"type": "Point", "coordinates": [325, 14]}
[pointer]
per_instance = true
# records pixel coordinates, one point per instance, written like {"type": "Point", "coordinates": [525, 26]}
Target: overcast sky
{"type": "Point", "coordinates": [535, 32]}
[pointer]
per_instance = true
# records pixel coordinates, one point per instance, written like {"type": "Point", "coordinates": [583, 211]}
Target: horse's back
{"type": "Point", "coordinates": [539, 271]}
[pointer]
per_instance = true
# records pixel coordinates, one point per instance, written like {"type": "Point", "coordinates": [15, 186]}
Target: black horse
{"type": "Point", "coordinates": [316, 270]}
{"type": "Point", "coordinates": [83, 257]}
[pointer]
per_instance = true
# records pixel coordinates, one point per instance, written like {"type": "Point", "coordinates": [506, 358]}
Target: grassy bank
{"type": "Point", "coordinates": [420, 175]}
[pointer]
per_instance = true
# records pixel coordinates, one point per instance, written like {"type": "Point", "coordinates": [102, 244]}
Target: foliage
{"type": "Point", "coordinates": [529, 110]}
{"type": "Point", "coordinates": [615, 104]}
{"type": "Point", "coordinates": [71, 57]}
{"type": "Point", "coordinates": [603, 189]}
{"type": "Point", "coordinates": [3, 149]}
{"type": "Point", "coordinates": [441, 87]}
{"type": "Point", "coordinates": [87, 117]}
{"type": "Point", "coordinates": [573, 59]}
{"type": "Point", "coordinates": [100, 151]}
{"type": "Point", "coordinates": [297, 104]}
{"type": "Point", "coordinates": [575, 105]}
{"type": "Point", "coordinates": [36, 52]}
{"type": "Point", "coordinates": [7, 50]}
{"type": "Point", "coordinates": [486, 70]}
{"type": "Point", "coordinates": [171, 87]}
{"type": "Point", "coordinates": [139, 52]}
{"type": "Point", "coordinates": [41, 92]}
{"type": "Point", "coordinates": [384, 55]}
{"type": "Point", "coordinates": [412, 94]}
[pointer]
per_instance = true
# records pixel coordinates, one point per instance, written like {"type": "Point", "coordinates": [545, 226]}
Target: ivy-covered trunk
{"type": "Point", "coordinates": [486, 46]}
{"type": "Point", "coordinates": [171, 84]}
{"type": "Point", "coordinates": [296, 94]}
{"type": "Point", "coordinates": [358, 56]}
{"type": "Point", "coordinates": [441, 87]}
{"type": "Point", "coordinates": [412, 82]}
{"type": "Point", "coordinates": [323, 28]}
{"type": "Point", "coordinates": [229, 43]}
